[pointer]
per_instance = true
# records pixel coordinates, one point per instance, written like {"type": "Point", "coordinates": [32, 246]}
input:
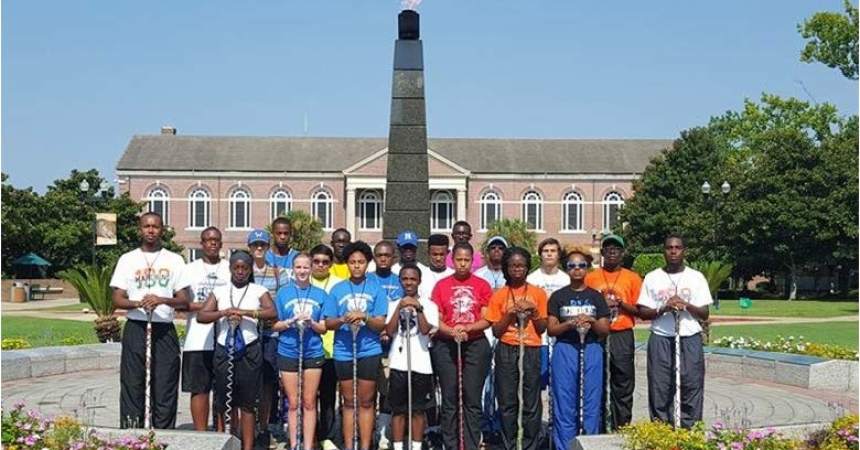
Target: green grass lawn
{"type": "Point", "coordinates": [51, 332]}
{"type": "Point", "coordinates": [785, 308]}
{"type": "Point", "coordinates": [839, 333]}
{"type": "Point", "coordinates": [77, 307]}
{"type": "Point", "coordinates": [46, 332]}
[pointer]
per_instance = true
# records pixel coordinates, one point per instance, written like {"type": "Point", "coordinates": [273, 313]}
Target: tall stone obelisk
{"type": "Point", "coordinates": [407, 196]}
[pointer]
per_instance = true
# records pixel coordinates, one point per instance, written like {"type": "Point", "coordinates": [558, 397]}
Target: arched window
{"type": "Point", "coordinates": [491, 208]}
{"type": "Point", "coordinates": [533, 210]}
{"type": "Point", "coordinates": [321, 208]}
{"type": "Point", "coordinates": [370, 210]}
{"type": "Point", "coordinates": [281, 203]}
{"type": "Point", "coordinates": [240, 209]}
{"type": "Point", "coordinates": [158, 201]}
{"type": "Point", "coordinates": [612, 204]}
{"type": "Point", "coordinates": [571, 212]}
{"type": "Point", "coordinates": [198, 205]}
{"type": "Point", "coordinates": [441, 211]}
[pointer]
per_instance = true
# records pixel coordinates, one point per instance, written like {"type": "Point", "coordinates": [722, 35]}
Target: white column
{"type": "Point", "coordinates": [350, 211]}
{"type": "Point", "coordinates": [461, 204]}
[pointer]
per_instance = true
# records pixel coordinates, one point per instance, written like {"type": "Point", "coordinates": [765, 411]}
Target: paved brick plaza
{"type": "Point", "coordinates": [93, 396]}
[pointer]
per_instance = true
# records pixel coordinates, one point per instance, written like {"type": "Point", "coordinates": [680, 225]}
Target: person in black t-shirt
{"type": "Point", "coordinates": [572, 307]}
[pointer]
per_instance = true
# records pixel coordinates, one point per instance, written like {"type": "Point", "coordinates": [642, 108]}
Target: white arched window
{"type": "Point", "coordinates": [571, 212]}
{"type": "Point", "coordinates": [281, 203]}
{"type": "Point", "coordinates": [533, 210]}
{"type": "Point", "coordinates": [370, 210]}
{"type": "Point", "coordinates": [441, 211]}
{"type": "Point", "coordinates": [198, 208]}
{"type": "Point", "coordinates": [321, 208]}
{"type": "Point", "coordinates": [491, 208]}
{"type": "Point", "coordinates": [158, 201]}
{"type": "Point", "coordinates": [612, 204]}
{"type": "Point", "coordinates": [240, 209]}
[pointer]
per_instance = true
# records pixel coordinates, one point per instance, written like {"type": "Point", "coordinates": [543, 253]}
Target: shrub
{"type": "Point", "coordinates": [31, 430]}
{"type": "Point", "coordinates": [14, 344]}
{"type": "Point", "coordinates": [647, 262]}
{"type": "Point", "coordinates": [72, 340]}
{"type": "Point", "coordinates": [788, 345]}
{"type": "Point", "coordinates": [842, 435]}
{"type": "Point", "coordinates": [306, 230]}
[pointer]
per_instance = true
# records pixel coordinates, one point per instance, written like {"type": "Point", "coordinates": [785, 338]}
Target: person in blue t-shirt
{"type": "Point", "coordinates": [280, 255]}
{"type": "Point", "coordinates": [300, 304]}
{"type": "Point", "coordinates": [357, 302]}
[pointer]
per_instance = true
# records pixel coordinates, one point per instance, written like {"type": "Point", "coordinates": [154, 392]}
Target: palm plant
{"type": "Point", "coordinates": [93, 285]}
{"type": "Point", "coordinates": [716, 273]}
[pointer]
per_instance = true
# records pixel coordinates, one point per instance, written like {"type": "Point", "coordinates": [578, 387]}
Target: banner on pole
{"type": "Point", "coordinates": [105, 229]}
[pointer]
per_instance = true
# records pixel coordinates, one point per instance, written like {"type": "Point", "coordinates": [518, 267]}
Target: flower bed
{"type": "Point", "coordinates": [841, 435]}
{"type": "Point", "coordinates": [22, 430]}
{"type": "Point", "coordinates": [788, 345]}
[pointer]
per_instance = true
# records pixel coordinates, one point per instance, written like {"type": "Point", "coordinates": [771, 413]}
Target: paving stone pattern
{"type": "Point", "coordinates": [93, 396]}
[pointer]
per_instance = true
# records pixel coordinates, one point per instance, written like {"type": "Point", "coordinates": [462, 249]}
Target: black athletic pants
{"type": "Point", "coordinates": [507, 384]}
{"type": "Point", "coordinates": [327, 395]}
{"type": "Point", "coordinates": [164, 370]}
{"type": "Point", "coordinates": [476, 362]}
{"type": "Point", "coordinates": [661, 378]}
{"type": "Point", "coordinates": [622, 376]}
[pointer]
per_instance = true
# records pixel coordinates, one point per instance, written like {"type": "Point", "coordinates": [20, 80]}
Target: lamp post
{"type": "Point", "coordinates": [725, 188]}
{"type": "Point", "coordinates": [102, 188]}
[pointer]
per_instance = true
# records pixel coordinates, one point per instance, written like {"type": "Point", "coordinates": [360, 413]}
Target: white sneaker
{"type": "Point", "coordinates": [328, 445]}
{"type": "Point", "coordinates": [384, 444]}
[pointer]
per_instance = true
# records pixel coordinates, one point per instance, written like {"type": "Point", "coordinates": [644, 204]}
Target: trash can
{"type": "Point", "coordinates": [19, 294]}
{"type": "Point", "coordinates": [745, 303]}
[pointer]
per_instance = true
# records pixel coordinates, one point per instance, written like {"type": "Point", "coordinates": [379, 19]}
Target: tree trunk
{"type": "Point", "coordinates": [792, 276]}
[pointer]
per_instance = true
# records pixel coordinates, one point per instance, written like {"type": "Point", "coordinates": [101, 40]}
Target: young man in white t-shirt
{"type": "Point", "coordinates": [417, 328]}
{"type": "Point", "coordinates": [202, 276]}
{"type": "Point", "coordinates": [148, 282]}
{"type": "Point", "coordinates": [670, 292]}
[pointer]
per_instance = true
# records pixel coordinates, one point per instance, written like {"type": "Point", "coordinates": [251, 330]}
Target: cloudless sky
{"type": "Point", "coordinates": [80, 78]}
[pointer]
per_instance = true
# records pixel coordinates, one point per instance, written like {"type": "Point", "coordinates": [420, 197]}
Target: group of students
{"type": "Point", "coordinates": [489, 336]}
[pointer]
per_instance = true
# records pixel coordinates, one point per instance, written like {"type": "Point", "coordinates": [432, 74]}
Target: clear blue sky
{"type": "Point", "coordinates": [80, 78]}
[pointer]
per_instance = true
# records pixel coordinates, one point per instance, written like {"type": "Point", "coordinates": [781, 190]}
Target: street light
{"type": "Point", "coordinates": [725, 188]}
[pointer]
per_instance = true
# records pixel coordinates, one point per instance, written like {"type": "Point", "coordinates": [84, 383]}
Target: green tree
{"type": "Point", "coordinates": [668, 197]}
{"type": "Point", "coordinates": [307, 230]}
{"type": "Point", "coordinates": [832, 40]}
{"type": "Point", "coordinates": [516, 232]}
{"type": "Point", "coordinates": [793, 203]}
{"type": "Point", "coordinates": [59, 224]}
{"type": "Point", "coordinates": [21, 213]}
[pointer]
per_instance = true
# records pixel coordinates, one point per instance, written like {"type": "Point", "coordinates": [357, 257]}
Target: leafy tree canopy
{"type": "Point", "coordinates": [832, 40]}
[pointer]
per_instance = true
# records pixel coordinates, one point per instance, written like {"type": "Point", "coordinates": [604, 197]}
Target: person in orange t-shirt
{"type": "Point", "coordinates": [518, 298]}
{"type": "Point", "coordinates": [620, 287]}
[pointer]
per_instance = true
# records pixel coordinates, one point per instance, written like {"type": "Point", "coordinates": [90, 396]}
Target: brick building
{"type": "Point", "coordinates": [569, 189]}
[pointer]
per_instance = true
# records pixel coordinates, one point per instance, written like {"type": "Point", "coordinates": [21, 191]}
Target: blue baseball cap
{"type": "Point", "coordinates": [407, 237]}
{"type": "Point", "coordinates": [259, 235]}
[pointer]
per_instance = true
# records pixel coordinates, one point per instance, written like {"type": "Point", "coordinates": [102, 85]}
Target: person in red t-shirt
{"type": "Point", "coordinates": [462, 299]}
{"type": "Point", "coordinates": [518, 299]}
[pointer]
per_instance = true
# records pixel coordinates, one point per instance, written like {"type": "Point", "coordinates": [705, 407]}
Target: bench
{"type": "Point", "coordinates": [38, 292]}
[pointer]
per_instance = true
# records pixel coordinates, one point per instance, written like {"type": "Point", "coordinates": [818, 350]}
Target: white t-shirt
{"type": "Point", "coordinates": [429, 278]}
{"type": "Point", "coordinates": [548, 282]}
{"type": "Point", "coordinates": [396, 268]}
{"type": "Point", "coordinates": [495, 277]}
{"type": "Point", "coordinates": [202, 279]}
{"type": "Point", "coordinates": [659, 286]}
{"type": "Point", "coordinates": [419, 343]}
{"type": "Point", "coordinates": [251, 301]}
{"type": "Point", "coordinates": [139, 273]}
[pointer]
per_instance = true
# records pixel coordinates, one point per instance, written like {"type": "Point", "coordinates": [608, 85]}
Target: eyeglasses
{"type": "Point", "coordinates": [577, 265]}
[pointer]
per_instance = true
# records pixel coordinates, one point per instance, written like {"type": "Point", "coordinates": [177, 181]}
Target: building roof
{"type": "Point", "coordinates": [314, 154]}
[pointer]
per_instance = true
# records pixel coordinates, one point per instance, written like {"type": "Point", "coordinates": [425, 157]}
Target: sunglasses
{"type": "Point", "coordinates": [576, 265]}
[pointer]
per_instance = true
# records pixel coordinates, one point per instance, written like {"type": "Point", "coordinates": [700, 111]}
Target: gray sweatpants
{"type": "Point", "coordinates": [661, 378]}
